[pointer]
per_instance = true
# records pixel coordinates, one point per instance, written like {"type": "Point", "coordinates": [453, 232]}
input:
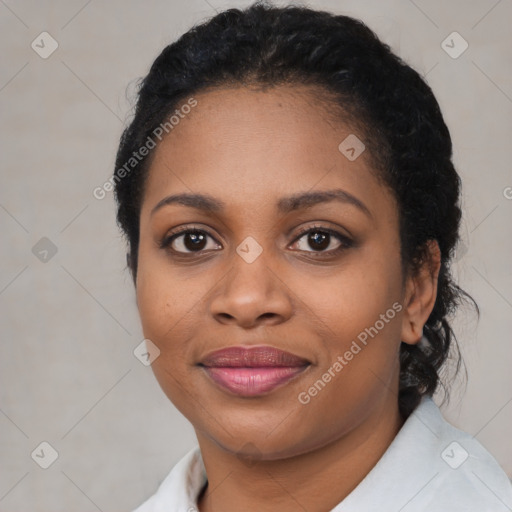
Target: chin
{"type": "Point", "coordinates": [264, 434]}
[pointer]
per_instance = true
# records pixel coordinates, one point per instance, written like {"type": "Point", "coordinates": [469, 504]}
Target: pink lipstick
{"type": "Point", "coordinates": [252, 370]}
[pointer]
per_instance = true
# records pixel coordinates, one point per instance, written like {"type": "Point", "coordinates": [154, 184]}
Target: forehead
{"type": "Point", "coordinates": [245, 145]}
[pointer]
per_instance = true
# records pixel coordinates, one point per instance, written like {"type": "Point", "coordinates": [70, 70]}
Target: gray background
{"type": "Point", "coordinates": [70, 324]}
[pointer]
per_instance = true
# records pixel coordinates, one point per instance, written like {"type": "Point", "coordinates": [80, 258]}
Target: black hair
{"type": "Point", "coordinates": [404, 132]}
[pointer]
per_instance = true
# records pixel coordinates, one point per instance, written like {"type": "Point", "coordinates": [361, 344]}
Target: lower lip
{"type": "Point", "coordinates": [252, 381]}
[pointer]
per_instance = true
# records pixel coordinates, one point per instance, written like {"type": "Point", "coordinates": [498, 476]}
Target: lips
{"type": "Point", "coordinates": [252, 371]}
{"type": "Point", "coordinates": [253, 357]}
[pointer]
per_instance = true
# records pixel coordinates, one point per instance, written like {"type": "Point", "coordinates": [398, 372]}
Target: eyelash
{"type": "Point", "coordinates": [345, 242]}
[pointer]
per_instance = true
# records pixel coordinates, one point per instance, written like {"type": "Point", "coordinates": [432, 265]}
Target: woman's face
{"type": "Point", "coordinates": [251, 276]}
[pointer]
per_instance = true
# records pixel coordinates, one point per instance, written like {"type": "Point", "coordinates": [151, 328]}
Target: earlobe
{"type": "Point", "coordinates": [420, 295]}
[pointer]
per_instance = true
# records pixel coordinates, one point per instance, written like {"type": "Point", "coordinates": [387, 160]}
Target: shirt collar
{"type": "Point", "coordinates": [408, 465]}
{"type": "Point", "coordinates": [180, 488]}
{"type": "Point", "coordinates": [417, 469]}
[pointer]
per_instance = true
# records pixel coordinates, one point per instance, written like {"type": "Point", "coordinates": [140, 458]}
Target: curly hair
{"type": "Point", "coordinates": [404, 131]}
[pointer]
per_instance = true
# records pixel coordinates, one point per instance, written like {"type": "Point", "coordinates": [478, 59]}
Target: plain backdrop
{"type": "Point", "coordinates": [69, 322]}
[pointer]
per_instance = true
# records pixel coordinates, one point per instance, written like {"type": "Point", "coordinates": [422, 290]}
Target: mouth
{"type": "Point", "coordinates": [252, 371]}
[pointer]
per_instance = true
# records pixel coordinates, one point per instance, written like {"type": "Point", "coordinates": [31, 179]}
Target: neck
{"type": "Point", "coordinates": [316, 480]}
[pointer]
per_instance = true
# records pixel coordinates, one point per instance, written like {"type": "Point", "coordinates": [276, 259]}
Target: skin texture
{"type": "Point", "coordinates": [248, 148]}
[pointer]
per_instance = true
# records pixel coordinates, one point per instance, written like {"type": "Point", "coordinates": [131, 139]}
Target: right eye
{"type": "Point", "coordinates": [186, 241]}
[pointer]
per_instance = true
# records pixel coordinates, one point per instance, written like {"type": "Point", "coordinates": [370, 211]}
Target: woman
{"type": "Point", "coordinates": [290, 205]}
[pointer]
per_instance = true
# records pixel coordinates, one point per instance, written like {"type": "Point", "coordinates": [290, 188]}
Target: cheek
{"type": "Point", "coordinates": [165, 312]}
{"type": "Point", "coordinates": [354, 298]}
{"type": "Point", "coordinates": [157, 305]}
{"type": "Point", "coordinates": [163, 296]}
{"type": "Point", "coordinates": [359, 310]}
{"type": "Point", "coordinates": [171, 308]}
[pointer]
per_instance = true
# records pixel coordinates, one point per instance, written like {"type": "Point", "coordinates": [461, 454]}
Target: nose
{"type": "Point", "coordinates": [252, 293]}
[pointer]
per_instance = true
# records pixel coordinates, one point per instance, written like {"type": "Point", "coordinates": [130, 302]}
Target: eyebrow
{"type": "Point", "coordinates": [284, 205]}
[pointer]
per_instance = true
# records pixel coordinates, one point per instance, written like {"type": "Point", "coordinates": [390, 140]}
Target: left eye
{"type": "Point", "coordinates": [320, 239]}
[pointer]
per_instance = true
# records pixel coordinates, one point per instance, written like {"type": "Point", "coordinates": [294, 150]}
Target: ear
{"type": "Point", "coordinates": [420, 294]}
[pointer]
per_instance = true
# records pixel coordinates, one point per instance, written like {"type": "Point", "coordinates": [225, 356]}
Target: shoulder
{"type": "Point", "coordinates": [465, 476]}
{"type": "Point", "coordinates": [432, 466]}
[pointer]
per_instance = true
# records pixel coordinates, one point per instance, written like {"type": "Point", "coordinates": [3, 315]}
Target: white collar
{"type": "Point", "coordinates": [430, 465]}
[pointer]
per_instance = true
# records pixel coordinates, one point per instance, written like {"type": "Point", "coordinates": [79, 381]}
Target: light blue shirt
{"type": "Point", "coordinates": [430, 466]}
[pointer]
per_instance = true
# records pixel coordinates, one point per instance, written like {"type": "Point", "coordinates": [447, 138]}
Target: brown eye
{"type": "Point", "coordinates": [320, 239]}
{"type": "Point", "coordinates": [187, 241]}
